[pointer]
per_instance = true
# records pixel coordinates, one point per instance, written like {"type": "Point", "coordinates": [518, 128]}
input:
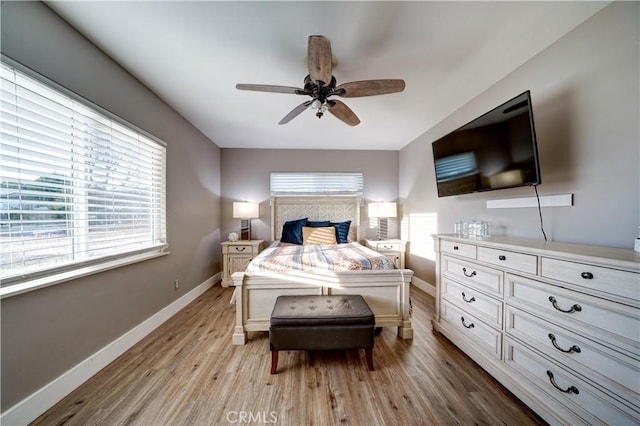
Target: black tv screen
{"type": "Point", "coordinates": [496, 150]}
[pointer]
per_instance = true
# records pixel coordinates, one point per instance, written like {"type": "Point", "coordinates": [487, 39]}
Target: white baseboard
{"type": "Point", "coordinates": [30, 408]}
{"type": "Point", "coordinates": [428, 288]}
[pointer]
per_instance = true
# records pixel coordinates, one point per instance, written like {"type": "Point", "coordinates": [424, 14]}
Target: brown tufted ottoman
{"type": "Point", "coordinates": [321, 323]}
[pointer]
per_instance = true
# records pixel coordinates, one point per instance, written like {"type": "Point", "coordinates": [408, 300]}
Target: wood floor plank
{"type": "Point", "coordinates": [187, 373]}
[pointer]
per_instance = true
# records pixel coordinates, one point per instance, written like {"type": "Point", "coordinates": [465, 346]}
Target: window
{"type": "Point", "coordinates": [78, 187]}
{"type": "Point", "coordinates": [305, 183]}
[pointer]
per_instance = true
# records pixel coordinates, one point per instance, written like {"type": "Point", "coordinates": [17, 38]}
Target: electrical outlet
{"type": "Point", "coordinates": [176, 284]}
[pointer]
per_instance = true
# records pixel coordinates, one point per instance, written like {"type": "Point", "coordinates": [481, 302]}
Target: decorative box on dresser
{"type": "Point", "coordinates": [236, 255]}
{"type": "Point", "coordinates": [393, 249]}
{"type": "Point", "coordinates": [557, 324]}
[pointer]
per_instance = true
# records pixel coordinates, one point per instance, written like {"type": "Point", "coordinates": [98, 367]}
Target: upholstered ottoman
{"type": "Point", "coordinates": [321, 323]}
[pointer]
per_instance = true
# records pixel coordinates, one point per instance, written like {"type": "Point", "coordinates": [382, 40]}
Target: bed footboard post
{"type": "Point", "coordinates": [239, 334]}
{"type": "Point", "coordinates": [405, 331]}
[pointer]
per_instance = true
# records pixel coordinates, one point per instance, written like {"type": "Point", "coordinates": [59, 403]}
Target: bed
{"type": "Point", "coordinates": [256, 290]}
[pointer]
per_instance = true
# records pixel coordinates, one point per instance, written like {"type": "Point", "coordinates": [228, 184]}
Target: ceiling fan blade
{"type": "Point", "coordinates": [319, 59]}
{"type": "Point", "coordinates": [343, 112]}
{"type": "Point", "coordinates": [295, 112]}
{"type": "Point", "coordinates": [357, 89]}
{"type": "Point", "coordinates": [270, 88]}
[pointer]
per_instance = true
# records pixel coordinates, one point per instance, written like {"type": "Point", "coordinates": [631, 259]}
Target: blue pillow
{"type": "Point", "coordinates": [318, 224]}
{"type": "Point", "coordinates": [342, 231]}
{"type": "Point", "coordinates": [292, 231]}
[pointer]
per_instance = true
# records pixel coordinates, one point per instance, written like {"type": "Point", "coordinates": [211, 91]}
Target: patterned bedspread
{"type": "Point", "coordinates": [283, 257]}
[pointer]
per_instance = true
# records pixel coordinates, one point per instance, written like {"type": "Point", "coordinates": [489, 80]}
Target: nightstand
{"type": "Point", "coordinates": [394, 249]}
{"type": "Point", "coordinates": [236, 255]}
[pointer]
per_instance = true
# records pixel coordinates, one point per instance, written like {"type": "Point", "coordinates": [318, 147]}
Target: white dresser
{"type": "Point", "coordinates": [557, 324]}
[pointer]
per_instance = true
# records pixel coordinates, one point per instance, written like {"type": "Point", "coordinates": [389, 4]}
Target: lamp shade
{"type": "Point", "coordinates": [382, 210]}
{"type": "Point", "coordinates": [245, 210]}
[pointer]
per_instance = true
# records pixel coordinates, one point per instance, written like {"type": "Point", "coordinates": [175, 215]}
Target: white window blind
{"type": "Point", "coordinates": [313, 183]}
{"type": "Point", "coordinates": [77, 187]}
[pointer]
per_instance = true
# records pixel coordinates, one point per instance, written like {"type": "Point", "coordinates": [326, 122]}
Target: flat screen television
{"type": "Point", "coordinates": [496, 150]}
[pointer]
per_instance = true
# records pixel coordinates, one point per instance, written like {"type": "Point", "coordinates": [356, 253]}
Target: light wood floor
{"type": "Point", "coordinates": [187, 373]}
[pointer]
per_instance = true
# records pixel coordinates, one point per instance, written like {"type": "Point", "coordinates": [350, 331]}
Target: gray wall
{"type": "Point", "coordinates": [48, 331]}
{"type": "Point", "coordinates": [585, 96]}
{"type": "Point", "coordinates": [245, 173]}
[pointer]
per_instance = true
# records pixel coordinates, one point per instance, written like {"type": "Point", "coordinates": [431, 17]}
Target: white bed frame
{"type": "Point", "coordinates": [386, 291]}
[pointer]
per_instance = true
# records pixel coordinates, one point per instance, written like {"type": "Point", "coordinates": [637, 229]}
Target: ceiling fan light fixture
{"type": "Point", "coordinates": [320, 105]}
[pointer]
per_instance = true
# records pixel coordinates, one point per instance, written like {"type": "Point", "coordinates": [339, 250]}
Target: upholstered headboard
{"type": "Point", "coordinates": [335, 209]}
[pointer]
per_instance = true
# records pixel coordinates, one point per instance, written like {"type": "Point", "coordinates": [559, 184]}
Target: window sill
{"type": "Point", "coordinates": [16, 289]}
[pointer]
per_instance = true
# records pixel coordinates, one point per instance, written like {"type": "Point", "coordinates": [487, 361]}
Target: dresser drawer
{"type": "Point", "coordinates": [601, 320]}
{"type": "Point", "coordinates": [508, 259]}
{"type": "Point", "coordinates": [605, 280]}
{"type": "Point", "coordinates": [473, 275]}
{"type": "Point", "coordinates": [474, 302]}
{"type": "Point", "coordinates": [471, 327]}
{"type": "Point", "coordinates": [459, 249]}
{"type": "Point", "coordinates": [599, 364]}
{"type": "Point", "coordinates": [564, 387]}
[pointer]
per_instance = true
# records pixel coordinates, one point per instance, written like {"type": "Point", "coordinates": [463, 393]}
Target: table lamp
{"type": "Point", "coordinates": [382, 211]}
{"type": "Point", "coordinates": [245, 211]}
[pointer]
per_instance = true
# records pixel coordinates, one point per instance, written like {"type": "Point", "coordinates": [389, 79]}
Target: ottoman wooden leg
{"type": "Point", "coordinates": [368, 352]}
{"type": "Point", "coordinates": [274, 362]}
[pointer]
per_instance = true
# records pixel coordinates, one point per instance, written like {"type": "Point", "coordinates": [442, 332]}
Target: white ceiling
{"type": "Point", "coordinates": [192, 54]}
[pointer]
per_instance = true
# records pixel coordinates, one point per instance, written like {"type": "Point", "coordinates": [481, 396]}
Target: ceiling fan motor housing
{"type": "Point", "coordinates": [317, 90]}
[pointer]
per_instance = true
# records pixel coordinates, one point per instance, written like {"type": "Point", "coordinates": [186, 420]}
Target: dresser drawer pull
{"type": "Point", "coordinates": [472, 274]}
{"type": "Point", "coordinates": [502, 257]}
{"type": "Point", "coordinates": [456, 248]}
{"type": "Point", "coordinates": [574, 348]}
{"type": "Point", "coordinates": [587, 275]}
{"type": "Point", "coordinates": [467, 326]}
{"type": "Point", "coordinates": [570, 389]}
{"type": "Point", "coordinates": [473, 299]}
{"type": "Point", "coordinates": [240, 248]}
{"type": "Point", "coordinates": [387, 247]}
{"type": "Point", "coordinates": [574, 308]}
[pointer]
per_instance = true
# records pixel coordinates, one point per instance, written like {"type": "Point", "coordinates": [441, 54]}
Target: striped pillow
{"type": "Point", "coordinates": [325, 235]}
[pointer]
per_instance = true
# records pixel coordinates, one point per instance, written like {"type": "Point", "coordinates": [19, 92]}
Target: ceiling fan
{"type": "Point", "coordinates": [320, 84]}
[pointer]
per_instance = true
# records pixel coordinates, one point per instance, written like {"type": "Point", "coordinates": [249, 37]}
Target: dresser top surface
{"type": "Point", "coordinates": [580, 252]}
